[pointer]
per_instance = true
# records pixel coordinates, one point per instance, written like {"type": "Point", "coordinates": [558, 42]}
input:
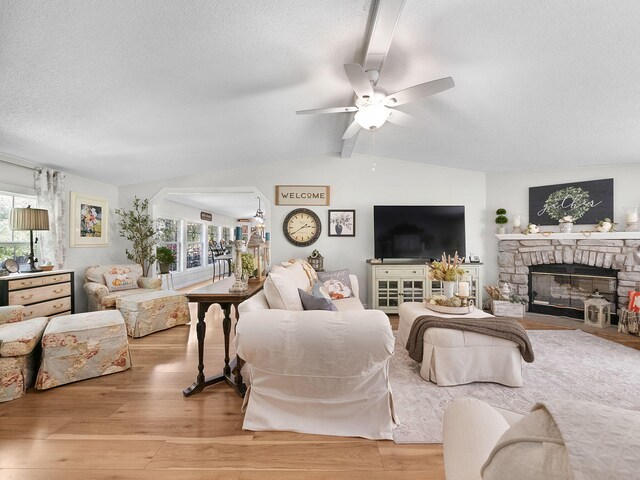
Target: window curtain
{"type": "Point", "coordinates": [49, 186]}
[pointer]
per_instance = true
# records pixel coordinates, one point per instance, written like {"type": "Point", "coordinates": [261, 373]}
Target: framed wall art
{"type": "Point", "coordinates": [342, 223]}
{"type": "Point", "coordinates": [587, 202]}
{"type": "Point", "coordinates": [88, 217]}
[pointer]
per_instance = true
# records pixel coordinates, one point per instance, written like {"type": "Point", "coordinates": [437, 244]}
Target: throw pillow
{"type": "Point", "coordinates": [311, 302]}
{"type": "Point", "coordinates": [121, 281]}
{"type": "Point", "coordinates": [296, 272]}
{"type": "Point", "coordinates": [318, 290]}
{"type": "Point", "coordinates": [281, 292]}
{"type": "Point", "coordinates": [337, 284]}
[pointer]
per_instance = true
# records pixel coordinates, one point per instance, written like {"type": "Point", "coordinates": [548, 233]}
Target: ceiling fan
{"type": "Point", "coordinates": [373, 108]}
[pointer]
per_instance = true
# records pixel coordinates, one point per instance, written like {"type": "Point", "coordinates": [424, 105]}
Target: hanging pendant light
{"type": "Point", "coordinates": [259, 216]}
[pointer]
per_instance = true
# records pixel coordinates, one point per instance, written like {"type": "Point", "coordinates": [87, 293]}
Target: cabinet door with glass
{"type": "Point", "coordinates": [392, 285]}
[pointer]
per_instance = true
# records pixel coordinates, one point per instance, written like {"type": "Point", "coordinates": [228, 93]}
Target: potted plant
{"type": "Point", "coordinates": [166, 257]}
{"type": "Point", "coordinates": [137, 226]}
{"type": "Point", "coordinates": [501, 220]}
{"type": "Point", "coordinates": [248, 266]}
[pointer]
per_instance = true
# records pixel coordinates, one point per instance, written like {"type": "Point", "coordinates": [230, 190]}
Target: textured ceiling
{"type": "Point", "coordinates": [125, 90]}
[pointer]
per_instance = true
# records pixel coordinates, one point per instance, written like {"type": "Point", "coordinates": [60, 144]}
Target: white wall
{"type": "Point", "coordinates": [511, 191]}
{"type": "Point", "coordinates": [353, 186]}
{"type": "Point", "coordinates": [15, 178]}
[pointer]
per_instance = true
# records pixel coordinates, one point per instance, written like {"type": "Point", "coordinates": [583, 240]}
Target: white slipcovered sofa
{"type": "Point", "coordinates": [319, 372]}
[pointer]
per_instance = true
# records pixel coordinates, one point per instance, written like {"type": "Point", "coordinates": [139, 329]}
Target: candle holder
{"type": "Point", "coordinates": [631, 217]}
{"type": "Point", "coordinates": [517, 224]}
{"type": "Point", "coordinates": [465, 300]}
{"type": "Point", "coordinates": [238, 285]}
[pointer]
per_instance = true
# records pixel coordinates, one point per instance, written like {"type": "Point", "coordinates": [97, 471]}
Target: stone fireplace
{"type": "Point", "coordinates": [611, 251]}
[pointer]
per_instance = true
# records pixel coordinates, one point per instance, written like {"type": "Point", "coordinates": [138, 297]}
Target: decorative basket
{"type": "Point", "coordinates": [46, 268]}
{"type": "Point", "coordinates": [507, 309]}
{"type": "Point", "coordinates": [629, 322]}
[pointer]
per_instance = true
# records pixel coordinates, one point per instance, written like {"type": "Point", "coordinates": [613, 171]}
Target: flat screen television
{"type": "Point", "coordinates": [418, 232]}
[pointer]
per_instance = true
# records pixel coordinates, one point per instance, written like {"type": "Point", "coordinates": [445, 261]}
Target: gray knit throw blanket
{"type": "Point", "coordinates": [507, 328]}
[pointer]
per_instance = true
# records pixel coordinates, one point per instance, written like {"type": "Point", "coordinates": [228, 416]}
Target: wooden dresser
{"type": "Point", "coordinates": [44, 294]}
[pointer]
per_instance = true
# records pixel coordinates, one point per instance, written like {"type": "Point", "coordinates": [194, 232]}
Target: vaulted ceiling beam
{"type": "Point", "coordinates": [381, 28]}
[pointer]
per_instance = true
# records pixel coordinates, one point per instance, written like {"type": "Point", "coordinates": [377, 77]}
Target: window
{"type": "Point", "coordinates": [226, 235]}
{"type": "Point", "coordinates": [13, 245]}
{"type": "Point", "coordinates": [213, 238]}
{"type": "Point", "coordinates": [194, 245]}
{"type": "Point", "coordinates": [168, 235]}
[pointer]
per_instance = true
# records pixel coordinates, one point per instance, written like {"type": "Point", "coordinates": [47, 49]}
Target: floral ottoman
{"type": "Point", "coordinates": [153, 311]}
{"type": "Point", "coordinates": [81, 346]}
{"type": "Point", "coordinates": [19, 351]}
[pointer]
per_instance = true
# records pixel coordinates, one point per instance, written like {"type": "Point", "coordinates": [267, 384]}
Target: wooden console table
{"type": "Point", "coordinates": [218, 292]}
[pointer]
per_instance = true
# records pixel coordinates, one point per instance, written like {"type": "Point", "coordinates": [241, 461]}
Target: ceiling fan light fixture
{"type": "Point", "coordinates": [372, 116]}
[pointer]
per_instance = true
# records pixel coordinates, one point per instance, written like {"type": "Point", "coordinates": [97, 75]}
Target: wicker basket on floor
{"type": "Point", "coordinates": [629, 322]}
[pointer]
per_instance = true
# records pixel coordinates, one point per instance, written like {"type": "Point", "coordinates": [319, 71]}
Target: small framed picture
{"type": "Point", "coordinates": [342, 223]}
{"type": "Point", "coordinates": [88, 217]}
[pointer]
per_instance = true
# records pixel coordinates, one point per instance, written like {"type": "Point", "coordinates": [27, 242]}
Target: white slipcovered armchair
{"type": "Point", "coordinates": [319, 372]}
{"type": "Point", "coordinates": [98, 295]}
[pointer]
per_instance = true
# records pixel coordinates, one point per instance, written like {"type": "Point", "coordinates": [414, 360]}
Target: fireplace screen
{"type": "Point", "coordinates": [570, 291]}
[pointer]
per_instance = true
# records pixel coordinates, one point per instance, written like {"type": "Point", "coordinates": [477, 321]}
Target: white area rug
{"type": "Point", "coordinates": [568, 364]}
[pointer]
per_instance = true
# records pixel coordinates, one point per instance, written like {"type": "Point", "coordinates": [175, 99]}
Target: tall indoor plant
{"type": "Point", "coordinates": [137, 226]}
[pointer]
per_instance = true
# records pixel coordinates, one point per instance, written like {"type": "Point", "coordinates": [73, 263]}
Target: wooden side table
{"type": "Point", "coordinates": [218, 292]}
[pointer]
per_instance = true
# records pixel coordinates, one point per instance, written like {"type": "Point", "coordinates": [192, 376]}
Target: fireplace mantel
{"type": "Point", "coordinates": [571, 236]}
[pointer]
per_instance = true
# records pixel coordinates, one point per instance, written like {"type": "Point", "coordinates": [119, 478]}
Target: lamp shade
{"type": "Point", "coordinates": [29, 219]}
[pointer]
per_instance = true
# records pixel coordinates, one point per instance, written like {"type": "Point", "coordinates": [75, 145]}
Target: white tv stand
{"type": "Point", "coordinates": [394, 282]}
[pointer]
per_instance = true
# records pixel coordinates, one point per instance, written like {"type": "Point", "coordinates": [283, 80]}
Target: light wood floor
{"type": "Point", "coordinates": [137, 424]}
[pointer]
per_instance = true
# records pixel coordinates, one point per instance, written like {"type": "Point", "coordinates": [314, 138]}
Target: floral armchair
{"type": "Point", "coordinates": [101, 297]}
{"type": "Point", "coordinates": [19, 351]}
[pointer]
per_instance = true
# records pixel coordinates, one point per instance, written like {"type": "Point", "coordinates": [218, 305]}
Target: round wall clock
{"type": "Point", "coordinates": [302, 227]}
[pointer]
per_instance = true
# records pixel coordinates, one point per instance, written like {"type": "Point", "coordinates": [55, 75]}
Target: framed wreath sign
{"type": "Point", "coordinates": [587, 202]}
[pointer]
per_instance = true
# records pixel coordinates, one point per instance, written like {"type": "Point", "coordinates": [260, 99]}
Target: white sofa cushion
{"type": "Point", "coordinates": [471, 429]}
{"type": "Point", "coordinates": [282, 292]}
{"type": "Point", "coordinates": [531, 449]}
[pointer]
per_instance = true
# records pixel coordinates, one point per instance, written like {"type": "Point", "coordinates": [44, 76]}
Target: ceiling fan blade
{"type": "Point", "coordinates": [402, 119]}
{"type": "Point", "coordinates": [327, 110]}
{"type": "Point", "coordinates": [351, 130]}
{"type": "Point", "coordinates": [359, 80]}
{"type": "Point", "coordinates": [418, 91]}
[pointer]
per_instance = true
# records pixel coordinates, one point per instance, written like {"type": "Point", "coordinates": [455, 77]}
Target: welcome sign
{"type": "Point", "coordinates": [587, 202]}
{"type": "Point", "coordinates": [316, 195]}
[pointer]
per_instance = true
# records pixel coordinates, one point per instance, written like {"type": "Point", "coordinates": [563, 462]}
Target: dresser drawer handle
{"type": "Point", "coordinates": [59, 290]}
{"type": "Point", "coordinates": [58, 306]}
{"type": "Point", "coordinates": [386, 271]}
{"type": "Point", "coordinates": [57, 279]}
{"type": "Point", "coordinates": [28, 313]}
{"type": "Point", "coordinates": [26, 284]}
{"type": "Point", "coordinates": [26, 297]}
{"type": "Point", "coordinates": [414, 271]}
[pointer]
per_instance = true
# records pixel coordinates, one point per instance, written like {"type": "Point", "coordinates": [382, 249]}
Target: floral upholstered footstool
{"type": "Point", "coordinates": [153, 311]}
{"type": "Point", "coordinates": [83, 345]}
{"type": "Point", "coordinates": [19, 351]}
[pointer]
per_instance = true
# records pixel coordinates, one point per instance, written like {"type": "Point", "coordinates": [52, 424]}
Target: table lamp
{"type": "Point", "coordinates": [30, 219]}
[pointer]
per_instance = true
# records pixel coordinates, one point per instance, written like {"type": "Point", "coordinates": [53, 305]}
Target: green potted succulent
{"type": "Point", "coordinates": [166, 257]}
{"type": "Point", "coordinates": [501, 220]}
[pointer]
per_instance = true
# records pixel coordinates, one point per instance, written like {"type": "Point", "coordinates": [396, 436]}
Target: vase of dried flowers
{"type": "Point", "coordinates": [446, 271]}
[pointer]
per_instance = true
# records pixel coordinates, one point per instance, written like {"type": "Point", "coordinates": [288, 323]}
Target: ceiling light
{"type": "Point", "coordinates": [259, 216]}
{"type": "Point", "coordinates": [372, 116]}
